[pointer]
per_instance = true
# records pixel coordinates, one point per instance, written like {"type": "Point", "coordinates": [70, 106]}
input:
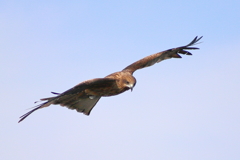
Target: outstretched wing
{"type": "Point", "coordinates": [158, 57]}
{"type": "Point", "coordinates": [83, 97]}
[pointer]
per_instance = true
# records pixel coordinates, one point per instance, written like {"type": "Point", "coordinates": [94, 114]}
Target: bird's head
{"type": "Point", "coordinates": [128, 82]}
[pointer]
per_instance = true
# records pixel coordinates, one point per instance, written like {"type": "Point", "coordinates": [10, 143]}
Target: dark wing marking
{"type": "Point", "coordinates": [158, 57]}
{"type": "Point", "coordinates": [76, 97]}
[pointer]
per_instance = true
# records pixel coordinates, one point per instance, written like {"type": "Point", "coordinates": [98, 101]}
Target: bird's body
{"type": "Point", "coordinates": [84, 96]}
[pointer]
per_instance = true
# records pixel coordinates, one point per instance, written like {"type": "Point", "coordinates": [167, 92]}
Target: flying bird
{"type": "Point", "coordinates": [84, 96]}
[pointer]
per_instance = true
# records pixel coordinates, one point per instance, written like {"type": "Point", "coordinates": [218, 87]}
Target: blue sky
{"type": "Point", "coordinates": [180, 108]}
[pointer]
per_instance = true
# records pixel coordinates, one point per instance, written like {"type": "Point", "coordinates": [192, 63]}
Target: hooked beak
{"type": "Point", "coordinates": [130, 86]}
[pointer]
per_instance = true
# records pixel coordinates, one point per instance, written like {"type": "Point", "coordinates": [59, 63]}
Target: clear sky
{"type": "Point", "coordinates": [180, 109]}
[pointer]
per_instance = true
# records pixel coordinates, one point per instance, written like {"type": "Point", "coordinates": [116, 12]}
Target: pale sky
{"type": "Point", "coordinates": [180, 109]}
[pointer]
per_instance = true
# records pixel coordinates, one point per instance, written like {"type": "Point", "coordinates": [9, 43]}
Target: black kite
{"type": "Point", "coordinates": [84, 96]}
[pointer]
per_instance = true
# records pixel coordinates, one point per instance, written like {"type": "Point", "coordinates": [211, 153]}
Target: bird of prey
{"type": "Point", "coordinates": [84, 96]}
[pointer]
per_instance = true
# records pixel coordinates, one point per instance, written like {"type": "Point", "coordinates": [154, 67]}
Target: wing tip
{"type": "Point", "coordinates": [45, 104]}
{"type": "Point", "coordinates": [195, 40]}
{"type": "Point", "coordinates": [28, 113]}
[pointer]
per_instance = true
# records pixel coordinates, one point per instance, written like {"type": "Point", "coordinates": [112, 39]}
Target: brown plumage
{"type": "Point", "coordinates": [84, 96]}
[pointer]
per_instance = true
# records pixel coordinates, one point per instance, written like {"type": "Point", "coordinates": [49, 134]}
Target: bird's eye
{"type": "Point", "coordinates": [126, 82]}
